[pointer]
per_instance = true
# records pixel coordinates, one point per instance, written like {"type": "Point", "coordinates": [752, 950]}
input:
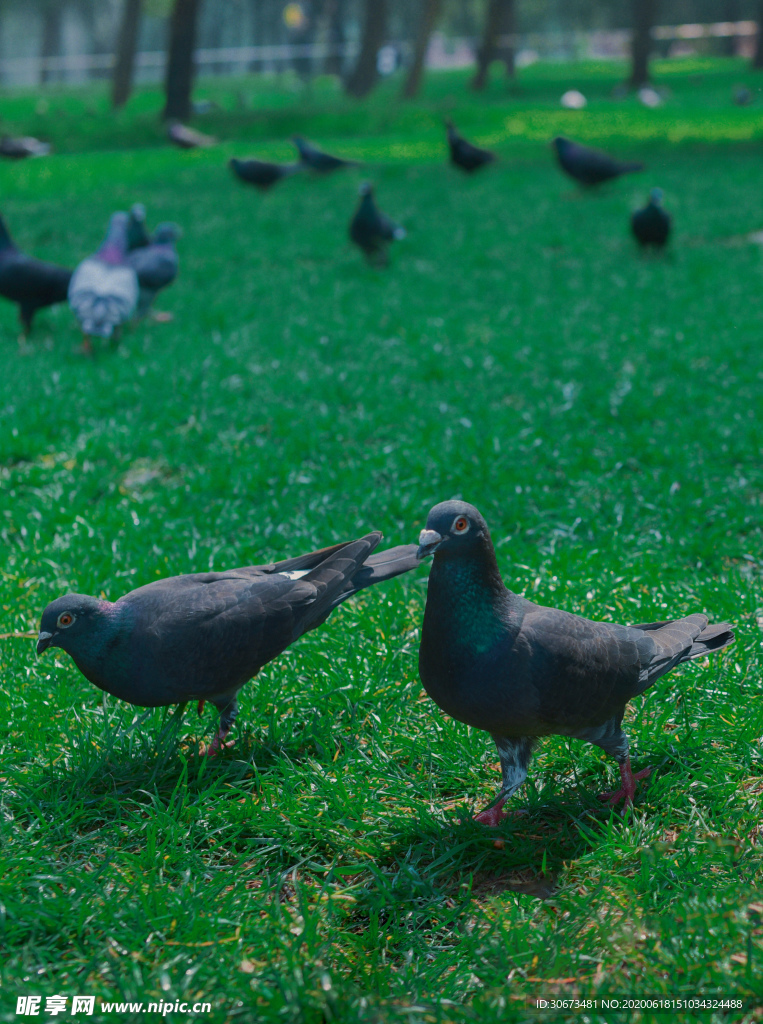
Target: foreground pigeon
{"type": "Point", "coordinates": [201, 637]}
{"type": "Point", "coordinates": [156, 266]}
{"type": "Point", "coordinates": [651, 225]}
{"type": "Point", "coordinates": [463, 154]}
{"type": "Point", "coordinates": [31, 283]}
{"type": "Point", "coordinates": [371, 229]}
{"type": "Point", "coordinates": [21, 147]}
{"type": "Point", "coordinates": [498, 662]}
{"type": "Point", "coordinates": [589, 166]}
{"type": "Point", "coordinates": [317, 160]}
{"type": "Point", "coordinates": [103, 291]}
{"type": "Point", "coordinates": [261, 174]}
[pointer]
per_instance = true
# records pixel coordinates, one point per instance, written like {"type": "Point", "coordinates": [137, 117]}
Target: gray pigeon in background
{"type": "Point", "coordinates": [317, 160]}
{"type": "Point", "coordinates": [371, 230]}
{"type": "Point", "coordinates": [501, 663]}
{"type": "Point", "coordinates": [103, 291]}
{"type": "Point", "coordinates": [201, 637]}
{"type": "Point", "coordinates": [137, 233]}
{"type": "Point", "coordinates": [589, 166]}
{"type": "Point", "coordinates": [156, 265]}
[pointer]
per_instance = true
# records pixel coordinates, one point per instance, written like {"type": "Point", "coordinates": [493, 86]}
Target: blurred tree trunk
{"type": "Point", "coordinates": [127, 44]}
{"type": "Point", "coordinates": [644, 14]}
{"type": "Point", "coordinates": [731, 14]}
{"type": "Point", "coordinates": [334, 13]}
{"type": "Point", "coordinates": [365, 74]}
{"type": "Point", "coordinates": [499, 21]}
{"type": "Point", "coordinates": [429, 15]}
{"type": "Point", "coordinates": [52, 23]}
{"type": "Point", "coordinates": [757, 57]}
{"type": "Point", "coordinates": [180, 65]}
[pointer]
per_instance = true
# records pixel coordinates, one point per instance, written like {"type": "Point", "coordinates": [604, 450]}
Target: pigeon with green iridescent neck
{"type": "Point", "coordinates": [499, 662]}
{"type": "Point", "coordinates": [651, 224]}
{"type": "Point", "coordinates": [202, 637]}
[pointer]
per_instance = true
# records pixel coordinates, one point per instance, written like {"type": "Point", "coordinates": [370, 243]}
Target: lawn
{"type": "Point", "coordinates": [602, 410]}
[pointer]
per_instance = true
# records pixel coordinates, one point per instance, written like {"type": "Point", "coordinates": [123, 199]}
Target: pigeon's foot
{"type": "Point", "coordinates": [200, 707]}
{"type": "Point", "coordinates": [218, 744]}
{"type": "Point", "coordinates": [628, 789]}
{"type": "Point", "coordinates": [162, 317]}
{"type": "Point", "coordinates": [493, 815]}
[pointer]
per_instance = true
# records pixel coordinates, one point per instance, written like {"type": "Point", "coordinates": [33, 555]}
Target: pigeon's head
{"type": "Point", "coordinates": [560, 143]}
{"type": "Point", "coordinates": [166, 232]}
{"type": "Point", "coordinates": [655, 197]}
{"type": "Point", "coordinates": [68, 620]}
{"type": "Point", "coordinates": [138, 212]}
{"type": "Point", "coordinates": [366, 189]}
{"type": "Point", "coordinates": [455, 527]}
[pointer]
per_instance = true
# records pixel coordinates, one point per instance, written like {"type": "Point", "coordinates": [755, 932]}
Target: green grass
{"type": "Point", "coordinates": [603, 412]}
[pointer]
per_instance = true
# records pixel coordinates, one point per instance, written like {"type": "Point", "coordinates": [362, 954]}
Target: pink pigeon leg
{"type": "Point", "coordinates": [627, 790]}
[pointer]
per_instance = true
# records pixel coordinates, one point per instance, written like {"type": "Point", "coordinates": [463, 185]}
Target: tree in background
{"type": "Point", "coordinates": [429, 15]}
{"type": "Point", "coordinates": [757, 57]}
{"type": "Point", "coordinates": [334, 12]}
{"type": "Point", "coordinates": [127, 44]}
{"type": "Point", "coordinates": [644, 14]}
{"type": "Point", "coordinates": [365, 74]}
{"type": "Point", "coordinates": [499, 23]}
{"type": "Point", "coordinates": [52, 35]}
{"type": "Point", "coordinates": [180, 64]}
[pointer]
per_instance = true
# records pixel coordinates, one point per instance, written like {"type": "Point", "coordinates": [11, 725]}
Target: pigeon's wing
{"type": "Point", "coordinates": [33, 283]}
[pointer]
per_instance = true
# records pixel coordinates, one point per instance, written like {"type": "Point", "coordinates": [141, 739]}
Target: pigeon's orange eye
{"type": "Point", "coordinates": [461, 525]}
{"type": "Point", "coordinates": [65, 619]}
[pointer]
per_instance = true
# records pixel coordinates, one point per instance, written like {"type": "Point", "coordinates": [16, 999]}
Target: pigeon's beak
{"type": "Point", "coordinates": [43, 641]}
{"type": "Point", "coordinates": [429, 542]}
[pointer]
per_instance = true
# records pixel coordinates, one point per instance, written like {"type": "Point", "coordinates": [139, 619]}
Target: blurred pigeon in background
{"type": "Point", "coordinates": [22, 147]}
{"type": "Point", "coordinates": [651, 224]}
{"type": "Point", "coordinates": [501, 663]}
{"type": "Point", "coordinates": [589, 166]}
{"type": "Point", "coordinates": [103, 291]}
{"type": "Point", "coordinates": [156, 265]}
{"type": "Point", "coordinates": [32, 284]}
{"type": "Point", "coordinates": [317, 160]}
{"type": "Point", "coordinates": [188, 138]}
{"type": "Point", "coordinates": [201, 637]}
{"type": "Point", "coordinates": [573, 99]}
{"type": "Point", "coordinates": [260, 173]}
{"type": "Point", "coordinates": [463, 154]}
{"type": "Point", "coordinates": [371, 229]}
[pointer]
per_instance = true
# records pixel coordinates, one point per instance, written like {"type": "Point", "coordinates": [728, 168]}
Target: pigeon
{"type": "Point", "coordinates": [651, 225]}
{"type": "Point", "coordinates": [201, 637]}
{"type": "Point", "coordinates": [499, 662]}
{"type": "Point", "coordinates": [103, 291]}
{"type": "Point", "coordinates": [463, 154]}
{"type": "Point", "coordinates": [372, 230]}
{"type": "Point", "coordinates": [317, 160]}
{"type": "Point", "coordinates": [573, 99]}
{"type": "Point", "coordinates": [188, 138]}
{"type": "Point", "coordinates": [261, 174]}
{"type": "Point", "coordinates": [137, 235]}
{"type": "Point", "coordinates": [742, 96]}
{"type": "Point", "coordinates": [589, 166]}
{"type": "Point", "coordinates": [31, 283]}
{"type": "Point", "coordinates": [21, 147]}
{"type": "Point", "coordinates": [156, 266]}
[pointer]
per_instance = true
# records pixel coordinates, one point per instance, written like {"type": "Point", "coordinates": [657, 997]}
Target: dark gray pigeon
{"type": "Point", "coordinates": [651, 224]}
{"type": "Point", "coordinates": [317, 160]}
{"type": "Point", "coordinates": [156, 266]}
{"type": "Point", "coordinates": [589, 166]}
{"type": "Point", "coordinates": [498, 662]}
{"type": "Point", "coordinates": [137, 233]}
{"type": "Point", "coordinates": [464, 154]}
{"type": "Point", "coordinates": [372, 230]}
{"type": "Point", "coordinates": [31, 283]}
{"type": "Point", "coordinates": [201, 637]}
{"type": "Point", "coordinates": [261, 174]}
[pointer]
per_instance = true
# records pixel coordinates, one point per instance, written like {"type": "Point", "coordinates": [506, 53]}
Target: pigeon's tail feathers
{"type": "Point", "coordinates": [313, 558]}
{"type": "Point", "coordinates": [385, 565]}
{"type": "Point", "coordinates": [713, 638]}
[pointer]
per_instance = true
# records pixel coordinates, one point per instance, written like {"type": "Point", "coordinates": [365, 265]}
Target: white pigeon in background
{"type": "Point", "coordinates": [103, 291]}
{"type": "Point", "coordinates": [573, 100]}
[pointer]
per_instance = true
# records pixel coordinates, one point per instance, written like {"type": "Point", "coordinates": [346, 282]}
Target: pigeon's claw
{"type": "Point", "coordinates": [628, 789]}
{"type": "Point", "coordinates": [200, 707]}
{"type": "Point", "coordinates": [492, 815]}
{"type": "Point", "coordinates": [218, 744]}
